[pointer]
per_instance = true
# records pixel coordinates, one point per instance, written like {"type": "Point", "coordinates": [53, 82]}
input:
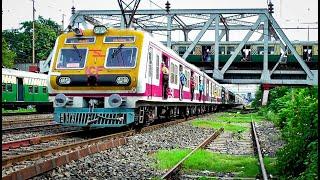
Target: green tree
{"type": "Point", "coordinates": [20, 40]}
{"type": "Point", "coordinates": [296, 114]}
{"type": "Point", "coordinates": [7, 55]}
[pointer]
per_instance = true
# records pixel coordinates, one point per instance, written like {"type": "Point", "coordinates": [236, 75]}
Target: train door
{"type": "Point", "coordinates": [20, 89]}
{"type": "Point", "coordinates": [150, 72]}
{"type": "Point", "coordinates": [165, 76]}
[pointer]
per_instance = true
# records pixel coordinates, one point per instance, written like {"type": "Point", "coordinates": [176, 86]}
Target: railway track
{"type": "Point", "coordinates": [174, 171]}
{"type": "Point", "coordinates": [29, 128]}
{"type": "Point", "coordinates": [218, 142]}
{"type": "Point", "coordinates": [26, 121]}
{"type": "Point", "coordinates": [35, 162]}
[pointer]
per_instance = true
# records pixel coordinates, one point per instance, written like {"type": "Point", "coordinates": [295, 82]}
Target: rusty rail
{"type": "Point", "coordinates": [169, 174]}
{"type": "Point", "coordinates": [28, 128]}
{"type": "Point", "coordinates": [29, 121]}
{"type": "Point", "coordinates": [256, 142]}
{"type": "Point", "coordinates": [36, 140]}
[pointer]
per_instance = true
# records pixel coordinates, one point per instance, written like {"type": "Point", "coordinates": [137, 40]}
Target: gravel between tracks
{"type": "Point", "coordinates": [269, 137]}
{"type": "Point", "coordinates": [18, 136]}
{"type": "Point", "coordinates": [26, 117]}
{"type": "Point", "coordinates": [133, 160]}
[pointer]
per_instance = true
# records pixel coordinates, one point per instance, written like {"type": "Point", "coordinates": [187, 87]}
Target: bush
{"type": "Point", "coordinates": [295, 112]}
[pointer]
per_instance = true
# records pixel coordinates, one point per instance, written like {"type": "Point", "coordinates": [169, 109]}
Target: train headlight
{"type": "Point", "coordinates": [122, 80]}
{"type": "Point", "coordinates": [60, 100]}
{"type": "Point", "coordinates": [99, 29]}
{"type": "Point", "coordinates": [115, 100]}
{"type": "Point", "coordinates": [64, 80]}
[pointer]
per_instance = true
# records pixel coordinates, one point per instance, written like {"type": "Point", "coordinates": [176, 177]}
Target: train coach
{"type": "Point", "coordinates": [114, 77]}
{"type": "Point", "coordinates": [21, 89]}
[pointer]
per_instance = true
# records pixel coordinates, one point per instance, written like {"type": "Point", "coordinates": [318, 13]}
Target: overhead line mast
{"type": "Point", "coordinates": [126, 11]}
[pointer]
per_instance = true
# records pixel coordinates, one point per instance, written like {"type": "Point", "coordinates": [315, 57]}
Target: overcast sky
{"type": "Point", "coordinates": [288, 13]}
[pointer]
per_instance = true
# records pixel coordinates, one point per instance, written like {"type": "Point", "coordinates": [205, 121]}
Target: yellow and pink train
{"type": "Point", "coordinates": [113, 77]}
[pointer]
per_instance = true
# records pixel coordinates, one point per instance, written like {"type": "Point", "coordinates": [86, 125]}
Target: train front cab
{"type": "Point", "coordinates": [93, 74]}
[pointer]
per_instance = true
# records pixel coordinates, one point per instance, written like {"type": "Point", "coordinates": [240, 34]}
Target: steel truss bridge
{"type": "Point", "coordinates": [222, 22]}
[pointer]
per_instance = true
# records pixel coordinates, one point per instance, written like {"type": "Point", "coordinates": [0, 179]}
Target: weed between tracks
{"type": "Point", "coordinates": [243, 166]}
{"type": "Point", "coordinates": [216, 125]}
{"type": "Point", "coordinates": [232, 122]}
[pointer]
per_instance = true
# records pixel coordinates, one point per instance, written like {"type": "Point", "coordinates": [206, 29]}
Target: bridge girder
{"type": "Point", "coordinates": [228, 20]}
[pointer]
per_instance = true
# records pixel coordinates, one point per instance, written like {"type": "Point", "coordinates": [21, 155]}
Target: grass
{"type": "Point", "coordinates": [19, 110]}
{"type": "Point", "coordinates": [244, 166]}
{"type": "Point", "coordinates": [270, 165]}
{"type": "Point", "coordinates": [240, 118]}
{"type": "Point", "coordinates": [231, 127]}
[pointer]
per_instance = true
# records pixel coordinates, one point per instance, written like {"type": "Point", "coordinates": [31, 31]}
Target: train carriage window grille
{"type": "Point", "coordinates": [188, 78]}
{"type": "Point", "coordinates": [150, 62]}
{"type": "Point", "coordinates": [196, 82]}
{"type": "Point", "coordinates": [172, 73]}
{"type": "Point", "coordinates": [44, 90]}
{"type": "Point", "coordinates": [122, 57]}
{"type": "Point", "coordinates": [36, 89]}
{"type": "Point", "coordinates": [260, 50]}
{"type": "Point", "coordinates": [9, 87]}
{"type": "Point", "coordinates": [157, 66]}
{"type": "Point", "coordinates": [3, 87]}
{"type": "Point", "coordinates": [222, 50]}
{"type": "Point", "coordinates": [72, 58]}
{"type": "Point", "coordinates": [230, 50]}
{"type": "Point", "coordinates": [307, 53]}
{"type": "Point", "coordinates": [175, 74]}
{"type": "Point", "coordinates": [182, 50]}
{"type": "Point", "coordinates": [30, 89]}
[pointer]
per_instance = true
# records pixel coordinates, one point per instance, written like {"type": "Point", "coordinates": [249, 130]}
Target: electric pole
{"type": "Point", "coordinates": [33, 35]}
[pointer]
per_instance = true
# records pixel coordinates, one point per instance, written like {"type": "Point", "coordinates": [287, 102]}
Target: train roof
{"type": "Point", "coordinates": [23, 74]}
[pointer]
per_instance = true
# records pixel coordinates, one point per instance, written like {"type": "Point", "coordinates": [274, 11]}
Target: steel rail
{"type": "Point", "coordinates": [169, 174]}
{"type": "Point", "coordinates": [29, 128]}
{"type": "Point", "coordinates": [29, 121]}
{"type": "Point", "coordinates": [36, 140]}
{"type": "Point", "coordinates": [256, 141]}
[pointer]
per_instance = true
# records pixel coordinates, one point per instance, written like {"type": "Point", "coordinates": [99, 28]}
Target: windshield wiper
{"type": "Point", "coordinates": [117, 51]}
{"type": "Point", "coordinates": [77, 51]}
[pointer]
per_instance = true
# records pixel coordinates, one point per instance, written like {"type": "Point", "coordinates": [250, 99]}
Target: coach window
{"type": "Point", "coordinates": [44, 90]}
{"type": "Point", "coordinates": [30, 89]}
{"type": "Point", "coordinates": [9, 87]}
{"type": "Point", "coordinates": [3, 87]}
{"type": "Point", "coordinates": [222, 50]}
{"type": "Point", "coordinates": [175, 74]}
{"type": "Point", "coordinates": [187, 73]}
{"type": "Point", "coordinates": [172, 73]}
{"type": "Point", "coordinates": [72, 58]}
{"type": "Point", "coordinates": [230, 50]}
{"type": "Point", "coordinates": [157, 66]}
{"type": "Point", "coordinates": [182, 50]}
{"type": "Point", "coordinates": [36, 89]}
{"type": "Point", "coordinates": [196, 82]}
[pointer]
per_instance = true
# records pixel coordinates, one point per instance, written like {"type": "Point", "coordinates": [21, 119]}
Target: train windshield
{"type": "Point", "coordinates": [72, 58]}
{"type": "Point", "coordinates": [121, 57]}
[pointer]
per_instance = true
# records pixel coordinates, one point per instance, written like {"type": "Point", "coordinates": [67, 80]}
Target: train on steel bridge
{"type": "Point", "coordinates": [106, 77]}
{"type": "Point", "coordinates": [251, 52]}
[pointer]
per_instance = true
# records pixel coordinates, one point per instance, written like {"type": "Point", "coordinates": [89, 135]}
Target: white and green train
{"type": "Point", "coordinates": [21, 89]}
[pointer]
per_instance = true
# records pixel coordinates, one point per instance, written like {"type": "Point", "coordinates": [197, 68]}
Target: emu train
{"type": "Point", "coordinates": [105, 77]}
{"type": "Point", "coordinates": [21, 89]}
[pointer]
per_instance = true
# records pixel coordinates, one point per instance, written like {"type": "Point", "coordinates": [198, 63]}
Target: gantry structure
{"type": "Point", "coordinates": [221, 21]}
